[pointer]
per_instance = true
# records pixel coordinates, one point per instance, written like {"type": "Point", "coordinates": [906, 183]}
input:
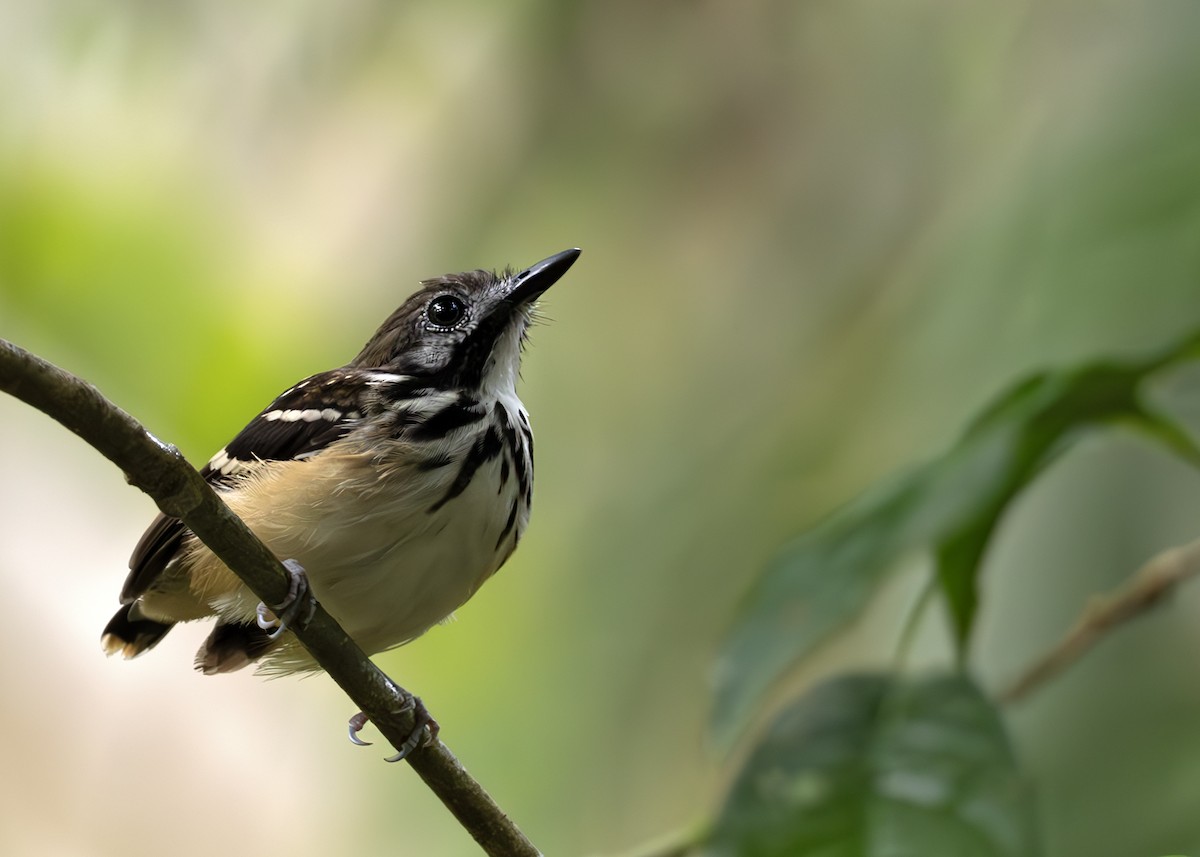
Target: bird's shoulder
{"type": "Point", "coordinates": [306, 419]}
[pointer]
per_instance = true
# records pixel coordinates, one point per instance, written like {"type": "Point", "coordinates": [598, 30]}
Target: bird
{"type": "Point", "coordinates": [392, 487]}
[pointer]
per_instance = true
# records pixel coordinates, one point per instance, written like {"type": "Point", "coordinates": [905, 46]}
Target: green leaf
{"type": "Point", "coordinates": [947, 508]}
{"type": "Point", "coordinates": [875, 766]}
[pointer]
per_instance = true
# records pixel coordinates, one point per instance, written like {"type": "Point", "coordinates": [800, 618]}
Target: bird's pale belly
{"type": "Point", "coordinates": [418, 580]}
{"type": "Point", "coordinates": [380, 557]}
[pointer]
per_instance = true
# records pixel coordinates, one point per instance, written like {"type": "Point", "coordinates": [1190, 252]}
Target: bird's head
{"type": "Point", "coordinates": [464, 330]}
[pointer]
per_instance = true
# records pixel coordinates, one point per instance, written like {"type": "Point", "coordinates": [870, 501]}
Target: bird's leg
{"type": "Point", "coordinates": [297, 608]}
{"type": "Point", "coordinates": [425, 728]}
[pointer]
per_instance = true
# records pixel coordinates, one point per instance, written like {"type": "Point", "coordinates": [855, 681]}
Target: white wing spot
{"type": "Point", "coordinates": [308, 415]}
{"type": "Point", "coordinates": [303, 415]}
{"type": "Point", "coordinates": [223, 464]}
{"type": "Point", "coordinates": [376, 379]}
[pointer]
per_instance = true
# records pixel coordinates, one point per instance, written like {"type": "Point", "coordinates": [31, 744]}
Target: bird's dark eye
{"type": "Point", "coordinates": [446, 311]}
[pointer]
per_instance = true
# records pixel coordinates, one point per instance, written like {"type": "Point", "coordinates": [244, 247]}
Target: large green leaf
{"type": "Point", "coordinates": [948, 508]}
{"type": "Point", "coordinates": [877, 766]}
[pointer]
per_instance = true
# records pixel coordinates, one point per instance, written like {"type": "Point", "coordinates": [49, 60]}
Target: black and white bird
{"type": "Point", "coordinates": [400, 482]}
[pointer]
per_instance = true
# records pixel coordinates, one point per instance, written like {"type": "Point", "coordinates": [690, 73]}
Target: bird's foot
{"type": "Point", "coordinates": [425, 728]}
{"type": "Point", "coordinates": [297, 608]}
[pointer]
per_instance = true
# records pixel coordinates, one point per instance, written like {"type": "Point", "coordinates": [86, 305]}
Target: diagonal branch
{"type": "Point", "coordinates": [159, 470]}
{"type": "Point", "coordinates": [1150, 584]}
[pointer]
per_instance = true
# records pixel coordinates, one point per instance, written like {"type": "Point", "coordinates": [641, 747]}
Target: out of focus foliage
{"type": "Point", "coordinates": [948, 508]}
{"type": "Point", "coordinates": [872, 765]}
{"type": "Point", "coordinates": [877, 764]}
{"type": "Point", "coordinates": [817, 238]}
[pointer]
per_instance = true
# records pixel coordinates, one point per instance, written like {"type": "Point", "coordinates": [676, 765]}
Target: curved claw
{"type": "Point", "coordinates": [357, 722]}
{"type": "Point", "coordinates": [297, 608]}
{"type": "Point", "coordinates": [417, 737]}
{"type": "Point", "coordinates": [425, 728]}
{"type": "Point", "coordinates": [425, 731]}
{"type": "Point", "coordinates": [266, 620]}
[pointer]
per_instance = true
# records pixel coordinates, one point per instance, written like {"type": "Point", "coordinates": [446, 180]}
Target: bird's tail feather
{"type": "Point", "coordinates": [132, 635]}
{"type": "Point", "coordinates": [231, 646]}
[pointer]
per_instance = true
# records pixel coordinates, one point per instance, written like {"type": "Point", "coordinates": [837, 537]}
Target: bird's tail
{"type": "Point", "coordinates": [132, 635]}
{"type": "Point", "coordinates": [231, 646]}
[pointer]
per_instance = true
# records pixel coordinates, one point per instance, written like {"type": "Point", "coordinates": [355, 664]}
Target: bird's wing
{"type": "Point", "coordinates": [298, 424]}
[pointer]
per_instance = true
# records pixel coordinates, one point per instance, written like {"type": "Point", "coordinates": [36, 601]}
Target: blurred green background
{"type": "Point", "coordinates": [817, 237]}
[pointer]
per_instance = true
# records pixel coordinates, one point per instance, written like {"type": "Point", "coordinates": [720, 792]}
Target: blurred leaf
{"type": "Point", "coordinates": [136, 293]}
{"type": "Point", "coordinates": [871, 765]}
{"type": "Point", "coordinates": [949, 507]}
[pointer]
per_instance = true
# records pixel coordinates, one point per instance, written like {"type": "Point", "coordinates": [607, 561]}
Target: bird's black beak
{"type": "Point", "coordinates": [529, 285]}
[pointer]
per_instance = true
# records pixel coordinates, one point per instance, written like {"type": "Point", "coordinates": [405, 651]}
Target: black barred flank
{"type": "Point", "coordinates": [462, 413]}
{"type": "Point", "coordinates": [501, 416]}
{"type": "Point", "coordinates": [523, 482]}
{"type": "Point", "coordinates": [486, 448]}
{"type": "Point", "coordinates": [508, 525]}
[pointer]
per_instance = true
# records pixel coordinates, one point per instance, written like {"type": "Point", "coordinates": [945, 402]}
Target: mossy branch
{"type": "Point", "coordinates": [159, 470]}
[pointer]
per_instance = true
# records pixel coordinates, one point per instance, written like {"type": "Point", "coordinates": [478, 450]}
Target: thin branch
{"type": "Point", "coordinates": [159, 470]}
{"type": "Point", "coordinates": [1154, 581]}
